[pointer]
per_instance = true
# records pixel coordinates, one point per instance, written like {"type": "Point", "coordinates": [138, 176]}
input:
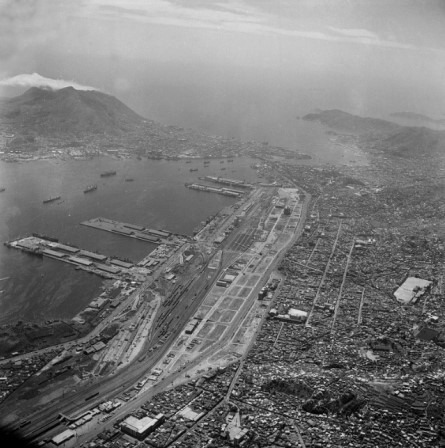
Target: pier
{"type": "Point", "coordinates": [224, 191]}
{"type": "Point", "coordinates": [135, 231]}
{"type": "Point", "coordinates": [226, 181]}
{"type": "Point", "coordinates": [85, 260]}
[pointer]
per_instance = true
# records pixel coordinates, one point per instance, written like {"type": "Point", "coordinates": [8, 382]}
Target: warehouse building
{"type": "Point", "coordinates": [140, 428]}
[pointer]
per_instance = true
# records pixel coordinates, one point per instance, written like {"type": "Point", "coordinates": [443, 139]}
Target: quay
{"type": "Point", "coordinates": [92, 262]}
{"type": "Point", "coordinates": [224, 191]}
{"type": "Point", "coordinates": [227, 181]}
{"type": "Point", "coordinates": [135, 231]}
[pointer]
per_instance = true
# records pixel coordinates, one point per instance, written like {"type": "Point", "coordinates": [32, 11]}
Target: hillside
{"type": "Point", "coordinates": [69, 111]}
{"type": "Point", "coordinates": [415, 142]}
{"type": "Point", "coordinates": [391, 138]}
{"type": "Point", "coordinates": [352, 124]}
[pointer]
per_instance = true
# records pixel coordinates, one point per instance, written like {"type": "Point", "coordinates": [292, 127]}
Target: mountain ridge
{"type": "Point", "coordinates": [68, 111]}
{"type": "Point", "coordinates": [383, 135]}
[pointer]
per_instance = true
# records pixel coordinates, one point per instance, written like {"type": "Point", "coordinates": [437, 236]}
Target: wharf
{"type": "Point", "coordinates": [85, 260]}
{"type": "Point", "coordinates": [227, 181]}
{"type": "Point", "coordinates": [224, 191]}
{"type": "Point", "coordinates": [135, 231]}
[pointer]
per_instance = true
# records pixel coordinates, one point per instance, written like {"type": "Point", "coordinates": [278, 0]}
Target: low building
{"type": "Point", "coordinates": [229, 278]}
{"type": "Point", "coordinates": [190, 328]}
{"type": "Point", "coordinates": [189, 414]}
{"type": "Point", "coordinates": [140, 428]}
{"type": "Point", "coordinates": [220, 239]}
{"type": "Point", "coordinates": [297, 315]}
{"type": "Point", "coordinates": [63, 437]}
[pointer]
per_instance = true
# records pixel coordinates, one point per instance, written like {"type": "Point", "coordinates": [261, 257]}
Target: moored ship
{"type": "Point", "coordinates": [52, 199]}
{"type": "Point", "coordinates": [90, 188]}
{"type": "Point", "coordinates": [108, 174]}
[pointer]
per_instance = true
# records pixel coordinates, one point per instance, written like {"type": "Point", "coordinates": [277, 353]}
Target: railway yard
{"type": "Point", "coordinates": [196, 311]}
{"type": "Point", "coordinates": [306, 315]}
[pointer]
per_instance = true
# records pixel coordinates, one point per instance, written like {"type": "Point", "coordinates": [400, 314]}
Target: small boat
{"type": "Point", "coordinates": [193, 169]}
{"type": "Point", "coordinates": [2, 189]}
{"type": "Point", "coordinates": [90, 188]}
{"type": "Point", "coordinates": [129, 179]}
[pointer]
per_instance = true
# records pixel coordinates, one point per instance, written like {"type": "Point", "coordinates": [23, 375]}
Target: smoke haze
{"type": "Point", "coordinates": [36, 80]}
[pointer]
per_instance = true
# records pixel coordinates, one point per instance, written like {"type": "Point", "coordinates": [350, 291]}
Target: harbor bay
{"type": "Point", "coordinates": [35, 289]}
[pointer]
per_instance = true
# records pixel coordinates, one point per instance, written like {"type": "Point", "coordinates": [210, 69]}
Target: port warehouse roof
{"type": "Point", "coordinates": [144, 230]}
{"type": "Point", "coordinates": [225, 180]}
{"type": "Point", "coordinates": [92, 255]}
{"type": "Point", "coordinates": [226, 191]}
{"type": "Point", "coordinates": [110, 269]}
{"type": "Point", "coordinates": [144, 236]}
{"type": "Point", "coordinates": [122, 264]}
{"type": "Point", "coordinates": [145, 233]}
{"type": "Point", "coordinates": [53, 253]}
{"type": "Point", "coordinates": [72, 250]}
{"type": "Point", "coordinates": [82, 261]}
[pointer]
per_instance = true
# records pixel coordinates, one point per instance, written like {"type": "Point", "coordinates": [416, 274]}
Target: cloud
{"type": "Point", "coordinates": [355, 33]}
{"type": "Point", "coordinates": [25, 23]}
{"type": "Point", "coordinates": [36, 80]}
{"type": "Point", "coordinates": [231, 16]}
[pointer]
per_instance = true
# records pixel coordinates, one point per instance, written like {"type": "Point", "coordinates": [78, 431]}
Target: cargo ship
{"type": "Point", "coordinates": [90, 188]}
{"type": "Point", "coordinates": [55, 198]}
{"type": "Point", "coordinates": [108, 174]}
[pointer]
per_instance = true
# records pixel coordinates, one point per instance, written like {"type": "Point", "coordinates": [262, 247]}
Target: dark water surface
{"type": "Point", "coordinates": [36, 289]}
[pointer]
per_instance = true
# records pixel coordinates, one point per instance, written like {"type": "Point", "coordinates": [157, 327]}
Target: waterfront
{"type": "Point", "coordinates": [36, 289]}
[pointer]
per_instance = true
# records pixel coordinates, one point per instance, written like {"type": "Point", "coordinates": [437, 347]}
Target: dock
{"type": "Point", "coordinates": [226, 181]}
{"type": "Point", "coordinates": [224, 191]}
{"type": "Point", "coordinates": [135, 231]}
{"type": "Point", "coordinates": [107, 267]}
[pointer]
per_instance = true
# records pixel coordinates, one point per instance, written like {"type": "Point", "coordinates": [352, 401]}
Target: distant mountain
{"type": "Point", "coordinates": [405, 141]}
{"type": "Point", "coordinates": [352, 124]}
{"type": "Point", "coordinates": [418, 117]}
{"type": "Point", "coordinates": [68, 111]}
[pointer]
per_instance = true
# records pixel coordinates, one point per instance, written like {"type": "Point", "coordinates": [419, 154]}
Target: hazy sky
{"type": "Point", "coordinates": [193, 61]}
